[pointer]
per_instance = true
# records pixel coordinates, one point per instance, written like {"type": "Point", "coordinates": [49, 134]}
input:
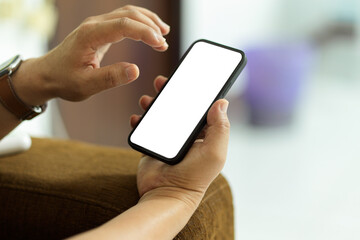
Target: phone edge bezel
{"type": "Point", "coordinates": [192, 137]}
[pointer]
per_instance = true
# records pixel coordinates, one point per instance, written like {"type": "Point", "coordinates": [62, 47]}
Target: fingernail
{"type": "Point", "coordinates": [224, 106]}
{"type": "Point", "coordinates": [165, 25]}
{"type": "Point", "coordinates": [130, 73]}
{"type": "Point", "coordinates": [166, 44]}
{"type": "Point", "coordinates": [159, 37]}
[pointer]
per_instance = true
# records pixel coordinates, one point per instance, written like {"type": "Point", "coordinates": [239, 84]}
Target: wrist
{"type": "Point", "coordinates": [30, 82]}
{"type": "Point", "coordinates": [188, 198]}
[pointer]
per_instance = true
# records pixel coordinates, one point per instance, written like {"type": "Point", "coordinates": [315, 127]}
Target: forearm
{"type": "Point", "coordinates": [156, 216]}
{"type": "Point", "coordinates": [30, 86]}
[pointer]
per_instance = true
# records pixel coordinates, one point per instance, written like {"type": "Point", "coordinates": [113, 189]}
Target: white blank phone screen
{"type": "Point", "coordinates": [185, 99]}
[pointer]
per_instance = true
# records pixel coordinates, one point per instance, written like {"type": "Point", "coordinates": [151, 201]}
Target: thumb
{"type": "Point", "coordinates": [113, 75]}
{"type": "Point", "coordinates": [217, 134]}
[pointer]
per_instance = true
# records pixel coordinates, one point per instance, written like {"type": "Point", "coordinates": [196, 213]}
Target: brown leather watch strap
{"type": "Point", "coordinates": [12, 102]}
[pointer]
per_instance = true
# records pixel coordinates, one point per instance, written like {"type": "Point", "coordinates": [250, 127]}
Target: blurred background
{"type": "Point", "coordinates": [294, 155]}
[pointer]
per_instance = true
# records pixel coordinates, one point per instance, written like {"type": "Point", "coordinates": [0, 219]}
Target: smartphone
{"type": "Point", "coordinates": [171, 124]}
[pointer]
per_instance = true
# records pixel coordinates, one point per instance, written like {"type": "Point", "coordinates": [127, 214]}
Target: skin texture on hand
{"type": "Point", "coordinates": [171, 194]}
{"type": "Point", "coordinates": [72, 70]}
{"type": "Point", "coordinates": [201, 165]}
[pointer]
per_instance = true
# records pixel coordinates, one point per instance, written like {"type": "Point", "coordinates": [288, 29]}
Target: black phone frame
{"type": "Point", "coordinates": [189, 142]}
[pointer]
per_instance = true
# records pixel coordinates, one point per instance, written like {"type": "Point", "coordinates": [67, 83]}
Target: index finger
{"type": "Point", "coordinates": [165, 29]}
{"type": "Point", "coordinates": [117, 29]}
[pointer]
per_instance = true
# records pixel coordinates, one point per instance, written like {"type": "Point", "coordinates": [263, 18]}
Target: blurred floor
{"type": "Point", "coordinates": [300, 181]}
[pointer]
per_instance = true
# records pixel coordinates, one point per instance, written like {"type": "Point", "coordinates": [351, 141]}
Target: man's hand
{"type": "Point", "coordinates": [72, 70]}
{"type": "Point", "coordinates": [188, 180]}
{"type": "Point", "coordinates": [171, 194]}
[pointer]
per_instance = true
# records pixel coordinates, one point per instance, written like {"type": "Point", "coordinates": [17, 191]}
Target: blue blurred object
{"type": "Point", "coordinates": [276, 76]}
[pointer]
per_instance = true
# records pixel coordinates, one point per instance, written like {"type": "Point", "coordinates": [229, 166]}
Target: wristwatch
{"type": "Point", "coordinates": [8, 96]}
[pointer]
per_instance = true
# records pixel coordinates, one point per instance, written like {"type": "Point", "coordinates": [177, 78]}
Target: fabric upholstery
{"type": "Point", "coordinates": [60, 188]}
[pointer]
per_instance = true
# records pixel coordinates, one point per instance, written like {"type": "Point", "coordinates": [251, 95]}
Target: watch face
{"type": "Point", "coordinates": [4, 66]}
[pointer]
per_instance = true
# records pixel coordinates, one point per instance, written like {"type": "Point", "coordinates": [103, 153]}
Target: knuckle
{"type": "Point", "coordinates": [111, 78]}
{"type": "Point", "coordinates": [89, 19]}
{"type": "Point", "coordinates": [133, 12]}
{"type": "Point", "coordinates": [226, 124]}
{"type": "Point", "coordinates": [128, 6]}
{"type": "Point", "coordinates": [123, 21]}
{"type": "Point", "coordinates": [84, 29]}
{"type": "Point", "coordinates": [223, 126]}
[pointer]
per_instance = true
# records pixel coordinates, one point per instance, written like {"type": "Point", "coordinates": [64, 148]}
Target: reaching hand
{"type": "Point", "coordinates": [189, 179]}
{"type": "Point", "coordinates": [72, 70]}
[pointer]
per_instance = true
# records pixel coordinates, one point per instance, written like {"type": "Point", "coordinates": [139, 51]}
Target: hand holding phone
{"type": "Point", "coordinates": [201, 165]}
{"type": "Point", "coordinates": [177, 115]}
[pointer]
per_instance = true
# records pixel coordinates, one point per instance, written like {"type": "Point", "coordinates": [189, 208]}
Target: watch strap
{"type": "Point", "coordinates": [13, 103]}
